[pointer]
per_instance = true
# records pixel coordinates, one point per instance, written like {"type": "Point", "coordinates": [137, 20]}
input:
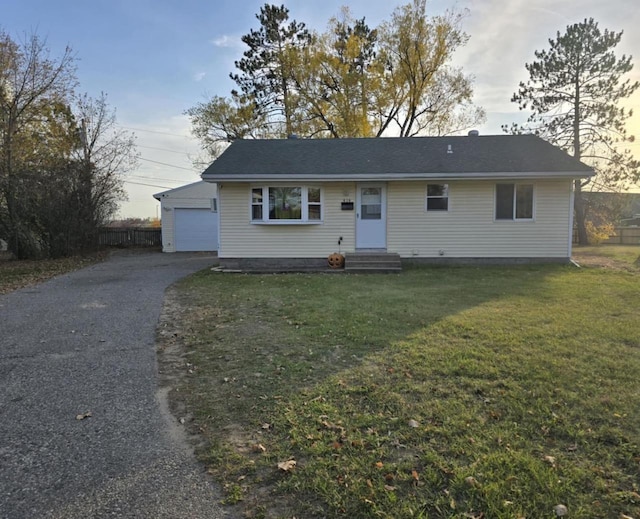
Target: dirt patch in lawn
{"type": "Point", "coordinates": [601, 257]}
{"type": "Point", "coordinates": [172, 361]}
{"type": "Point", "coordinates": [175, 366]}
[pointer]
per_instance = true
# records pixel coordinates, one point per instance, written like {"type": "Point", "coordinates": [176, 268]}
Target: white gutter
{"type": "Point", "coordinates": [364, 177]}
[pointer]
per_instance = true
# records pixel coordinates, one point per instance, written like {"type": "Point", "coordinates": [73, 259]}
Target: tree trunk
{"type": "Point", "coordinates": [579, 211]}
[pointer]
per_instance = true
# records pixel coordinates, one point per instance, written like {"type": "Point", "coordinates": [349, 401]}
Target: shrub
{"type": "Point", "coordinates": [600, 233]}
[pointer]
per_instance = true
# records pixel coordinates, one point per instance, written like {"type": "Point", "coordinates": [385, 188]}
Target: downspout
{"type": "Point", "coordinates": [219, 202]}
{"type": "Point", "coordinates": [571, 210]}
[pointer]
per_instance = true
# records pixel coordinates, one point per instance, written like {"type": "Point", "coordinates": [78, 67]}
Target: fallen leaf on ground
{"type": "Point", "coordinates": [413, 423]}
{"type": "Point", "coordinates": [83, 415]}
{"type": "Point", "coordinates": [389, 488]}
{"type": "Point", "coordinates": [560, 510]}
{"type": "Point", "coordinates": [333, 427]}
{"type": "Point", "coordinates": [471, 481]}
{"type": "Point", "coordinates": [287, 466]}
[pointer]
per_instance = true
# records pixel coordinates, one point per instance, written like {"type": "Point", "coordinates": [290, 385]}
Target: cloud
{"type": "Point", "coordinates": [224, 41]}
{"type": "Point", "coordinates": [199, 76]}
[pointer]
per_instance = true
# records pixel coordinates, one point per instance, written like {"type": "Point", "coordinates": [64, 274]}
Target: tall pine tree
{"type": "Point", "coordinates": [267, 66]}
{"type": "Point", "coordinates": [574, 93]}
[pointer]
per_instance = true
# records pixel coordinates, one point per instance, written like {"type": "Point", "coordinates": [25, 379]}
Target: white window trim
{"type": "Point", "coordinates": [427, 197]}
{"type": "Point", "coordinates": [304, 191]}
{"type": "Point", "coordinates": [515, 191]}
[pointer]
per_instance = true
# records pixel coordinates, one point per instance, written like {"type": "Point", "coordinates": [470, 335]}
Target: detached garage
{"type": "Point", "coordinates": [189, 218]}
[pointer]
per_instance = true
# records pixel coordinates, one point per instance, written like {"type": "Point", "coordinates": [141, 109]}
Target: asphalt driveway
{"type": "Point", "coordinates": [85, 343]}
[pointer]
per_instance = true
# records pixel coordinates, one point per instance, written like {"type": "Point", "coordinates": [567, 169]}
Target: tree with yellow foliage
{"type": "Point", "coordinates": [350, 81]}
{"type": "Point", "coordinates": [423, 93]}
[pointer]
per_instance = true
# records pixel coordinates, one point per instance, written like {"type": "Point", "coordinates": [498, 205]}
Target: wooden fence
{"type": "Point", "coordinates": [625, 236]}
{"type": "Point", "coordinates": [129, 237]}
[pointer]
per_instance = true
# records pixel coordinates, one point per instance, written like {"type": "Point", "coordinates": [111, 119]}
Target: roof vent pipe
{"type": "Point", "coordinates": [473, 133]}
{"type": "Point", "coordinates": [449, 148]}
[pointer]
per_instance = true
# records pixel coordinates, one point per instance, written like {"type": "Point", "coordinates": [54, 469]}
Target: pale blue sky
{"type": "Point", "coordinates": [157, 58]}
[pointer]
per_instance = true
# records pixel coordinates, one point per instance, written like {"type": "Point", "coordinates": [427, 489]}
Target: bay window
{"type": "Point", "coordinates": [286, 204]}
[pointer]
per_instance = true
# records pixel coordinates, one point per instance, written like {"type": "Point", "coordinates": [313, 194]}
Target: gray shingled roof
{"type": "Point", "coordinates": [389, 158]}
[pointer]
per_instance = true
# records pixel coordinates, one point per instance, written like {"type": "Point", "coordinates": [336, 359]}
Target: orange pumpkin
{"type": "Point", "coordinates": [336, 261]}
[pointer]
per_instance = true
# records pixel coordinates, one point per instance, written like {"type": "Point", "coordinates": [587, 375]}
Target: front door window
{"type": "Point", "coordinates": [371, 204]}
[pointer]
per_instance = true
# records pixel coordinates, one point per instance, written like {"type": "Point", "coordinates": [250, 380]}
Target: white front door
{"type": "Point", "coordinates": [371, 216]}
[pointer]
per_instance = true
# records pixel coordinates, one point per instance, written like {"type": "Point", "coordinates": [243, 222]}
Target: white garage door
{"type": "Point", "coordinates": [196, 230]}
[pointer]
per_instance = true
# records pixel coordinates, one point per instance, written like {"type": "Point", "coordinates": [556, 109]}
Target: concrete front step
{"type": "Point", "coordinates": [358, 263]}
{"type": "Point", "coordinates": [372, 262]}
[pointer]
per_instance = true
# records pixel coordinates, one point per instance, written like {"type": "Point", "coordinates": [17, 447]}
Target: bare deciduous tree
{"type": "Point", "coordinates": [59, 170]}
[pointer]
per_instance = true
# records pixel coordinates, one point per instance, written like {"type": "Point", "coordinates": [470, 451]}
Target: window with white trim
{"type": "Point", "coordinates": [437, 197]}
{"type": "Point", "coordinates": [256, 204]}
{"type": "Point", "coordinates": [514, 201]}
{"type": "Point", "coordinates": [314, 203]}
{"type": "Point", "coordinates": [286, 204]}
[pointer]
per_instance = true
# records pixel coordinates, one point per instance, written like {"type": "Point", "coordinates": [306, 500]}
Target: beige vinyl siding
{"type": "Point", "coordinates": [240, 238]}
{"type": "Point", "coordinates": [468, 228]}
{"type": "Point", "coordinates": [193, 196]}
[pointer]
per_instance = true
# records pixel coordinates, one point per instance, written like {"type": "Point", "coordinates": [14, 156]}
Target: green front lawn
{"type": "Point", "coordinates": [470, 392]}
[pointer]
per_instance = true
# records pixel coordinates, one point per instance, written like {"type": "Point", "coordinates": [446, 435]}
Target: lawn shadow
{"type": "Point", "coordinates": [259, 337]}
{"type": "Point", "coordinates": [253, 343]}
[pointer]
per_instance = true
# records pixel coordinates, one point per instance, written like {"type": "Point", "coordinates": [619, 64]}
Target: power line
{"type": "Point", "coordinates": [193, 170]}
{"type": "Point", "coordinates": [144, 184]}
{"type": "Point", "coordinates": [162, 149]}
{"type": "Point", "coordinates": [153, 131]}
{"type": "Point", "coordinates": [160, 179]}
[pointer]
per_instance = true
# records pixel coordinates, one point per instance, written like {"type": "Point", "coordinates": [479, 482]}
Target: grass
{"type": "Point", "coordinates": [440, 392]}
{"type": "Point", "coordinates": [15, 274]}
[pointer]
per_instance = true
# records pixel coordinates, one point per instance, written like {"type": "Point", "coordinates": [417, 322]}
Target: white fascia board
{"type": "Point", "coordinates": [175, 190]}
{"type": "Point", "coordinates": [364, 177]}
